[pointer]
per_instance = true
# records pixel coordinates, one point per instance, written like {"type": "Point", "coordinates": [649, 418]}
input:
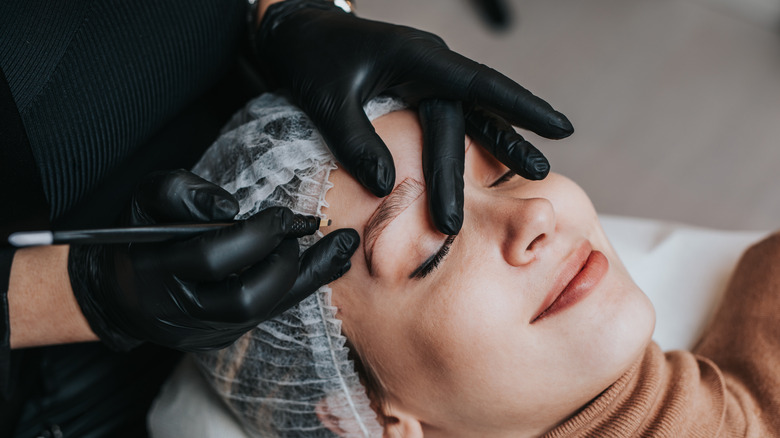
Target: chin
{"type": "Point", "coordinates": [621, 325]}
{"type": "Point", "coordinates": [631, 326]}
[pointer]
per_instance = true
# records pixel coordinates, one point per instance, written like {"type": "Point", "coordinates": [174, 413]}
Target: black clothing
{"type": "Point", "coordinates": [22, 209]}
{"type": "Point", "coordinates": [93, 80]}
{"type": "Point", "coordinates": [106, 91]}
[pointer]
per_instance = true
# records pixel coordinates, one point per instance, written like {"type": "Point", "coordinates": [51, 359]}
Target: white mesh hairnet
{"type": "Point", "coordinates": [275, 376]}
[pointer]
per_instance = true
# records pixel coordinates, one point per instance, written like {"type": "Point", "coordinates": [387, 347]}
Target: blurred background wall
{"type": "Point", "coordinates": [675, 103]}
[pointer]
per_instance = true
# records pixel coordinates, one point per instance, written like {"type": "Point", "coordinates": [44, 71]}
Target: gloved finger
{"type": "Point", "coordinates": [326, 261]}
{"type": "Point", "coordinates": [216, 254]}
{"type": "Point", "coordinates": [180, 196]}
{"type": "Point", "coordinates": [208, 342]}
{"type": "Point", "coordinates": [213, 339]}
{"type": "Point", "coordinates": [510, 148]}
{"type": "Point", "coordinates": [444, 154]}
{"type": "Point", "coordinates": [205, 335]}
{"type": "Point", "coordinates": [459, 78]}
{"type": "Point", "coordinates": [356, 145]}
{"type": "Point", "coordinates": [249, 297]}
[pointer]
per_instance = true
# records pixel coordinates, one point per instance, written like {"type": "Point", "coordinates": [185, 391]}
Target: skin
{"type": "Point", "coordinates": [263, 6]}
{"type": "Point", "coordinates": [456, 353]}
{"type": "Point", "coordinates": [41, 307]}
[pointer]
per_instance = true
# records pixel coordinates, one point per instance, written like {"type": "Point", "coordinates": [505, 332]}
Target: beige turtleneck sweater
{"type": "Point", "coordinates": [728, 386]}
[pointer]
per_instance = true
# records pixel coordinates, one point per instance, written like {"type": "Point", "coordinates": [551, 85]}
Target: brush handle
{"type": "Point", "coordinates": [302, 226]}
{"type": "Point", "coordinates": [148, 233]}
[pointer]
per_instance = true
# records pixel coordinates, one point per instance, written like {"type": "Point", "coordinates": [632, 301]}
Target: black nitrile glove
{"type": "Point", "coordinates": [333, 62]}
{"type": "Point", "coordinates": [503, 142]}
{"type": "Point", "coordinates": [204, 292]}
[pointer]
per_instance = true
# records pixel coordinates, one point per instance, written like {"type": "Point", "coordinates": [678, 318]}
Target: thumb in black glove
{"type": "Point", "coordinates": [204, 292]}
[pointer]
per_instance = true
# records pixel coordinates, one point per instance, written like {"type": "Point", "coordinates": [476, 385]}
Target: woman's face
{"type": "Point", "coordinates": [473, 346]}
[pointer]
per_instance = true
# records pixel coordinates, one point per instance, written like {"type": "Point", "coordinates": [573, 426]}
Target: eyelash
{"type": "Point", "coordinates": [432, 263]}
{"type": "Point", "coordinates": [504, 178]}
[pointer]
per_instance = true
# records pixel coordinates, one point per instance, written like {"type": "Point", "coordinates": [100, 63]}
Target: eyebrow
{"type": "Point", "coordinates": [393, 205]}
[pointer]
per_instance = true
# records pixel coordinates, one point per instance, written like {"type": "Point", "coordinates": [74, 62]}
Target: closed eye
{"type": "Point", "coordinates": [433, 261]}
{"type": "Point", "coordinates": [503, 178]}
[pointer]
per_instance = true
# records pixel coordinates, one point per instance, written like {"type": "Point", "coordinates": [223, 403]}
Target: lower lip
{"type": "Point", "coordinates": [581, 285]}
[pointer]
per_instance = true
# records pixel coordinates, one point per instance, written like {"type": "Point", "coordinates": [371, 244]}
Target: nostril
{"type": "Point", "coordinates": [538, 239]}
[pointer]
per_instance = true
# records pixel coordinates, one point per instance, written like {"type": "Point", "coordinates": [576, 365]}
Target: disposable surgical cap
{"type": "Point", "coordinates": [274, 377]}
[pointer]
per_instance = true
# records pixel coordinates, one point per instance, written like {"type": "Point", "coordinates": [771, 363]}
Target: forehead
{"type": "Point", "coordinates": [350, 205]}
{"type": "Point", "coordinates": [403, 136]}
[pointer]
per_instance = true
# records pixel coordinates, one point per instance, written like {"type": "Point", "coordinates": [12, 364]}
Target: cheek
{"type": "Point", "coordinates": [470, 339]}
{"type": "Point", "coordinates": [474, 346]}
{"type": "Point", "coordinates": [624, 320]}
{"type": "Point", "coordinates": [573, 208]}
{"type": "Point", "coordinates": [374, 320]}
{"type": "Point", "coordinates": [472, 354]}
{"type": "Point", "coordinates": [601, 338]}
{"type": "Point", "coordinates": [455, 328]}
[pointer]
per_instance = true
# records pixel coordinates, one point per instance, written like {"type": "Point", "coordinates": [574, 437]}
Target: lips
{"type": "Point", "coordinates": [581, 272]}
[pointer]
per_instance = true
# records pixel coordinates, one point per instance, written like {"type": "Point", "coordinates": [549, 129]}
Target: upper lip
{"type": "Point", "coordinates": [572, 265]}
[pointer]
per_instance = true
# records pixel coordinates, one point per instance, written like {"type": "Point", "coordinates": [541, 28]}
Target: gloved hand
{"type": "Point", "coordinates": [206, 291]}
{"type": "Point", "coordinates": [333, 62]}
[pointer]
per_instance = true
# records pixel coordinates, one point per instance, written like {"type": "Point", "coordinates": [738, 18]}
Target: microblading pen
{"type": "Point", "coordinates": [302, 226]}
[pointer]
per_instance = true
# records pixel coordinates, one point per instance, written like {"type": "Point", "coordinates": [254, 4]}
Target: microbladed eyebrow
{"type": "Point", "coordinates": [393, 205]}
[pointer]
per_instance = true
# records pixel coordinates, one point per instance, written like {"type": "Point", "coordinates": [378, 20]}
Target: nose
{"type": "Point", "coordinates": [525, 229]}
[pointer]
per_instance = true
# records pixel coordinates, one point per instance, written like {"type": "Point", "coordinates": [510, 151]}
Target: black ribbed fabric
{"type": "Point", "coordinates": [95, 79]}
{"type": "Point", "coordinates": [25, 207]}
{"type": "Point", "coordinates": [94, 83]}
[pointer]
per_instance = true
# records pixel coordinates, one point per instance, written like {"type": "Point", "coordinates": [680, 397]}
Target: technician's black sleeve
{"type": "Point", "coordinates": [22, 206]}
{"type": "Point", "coordinates": [6, 257]}
{"type": "Point", "coordinates": [107, 90]}
{"type": "Point", "coordinates": [94, 80]}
